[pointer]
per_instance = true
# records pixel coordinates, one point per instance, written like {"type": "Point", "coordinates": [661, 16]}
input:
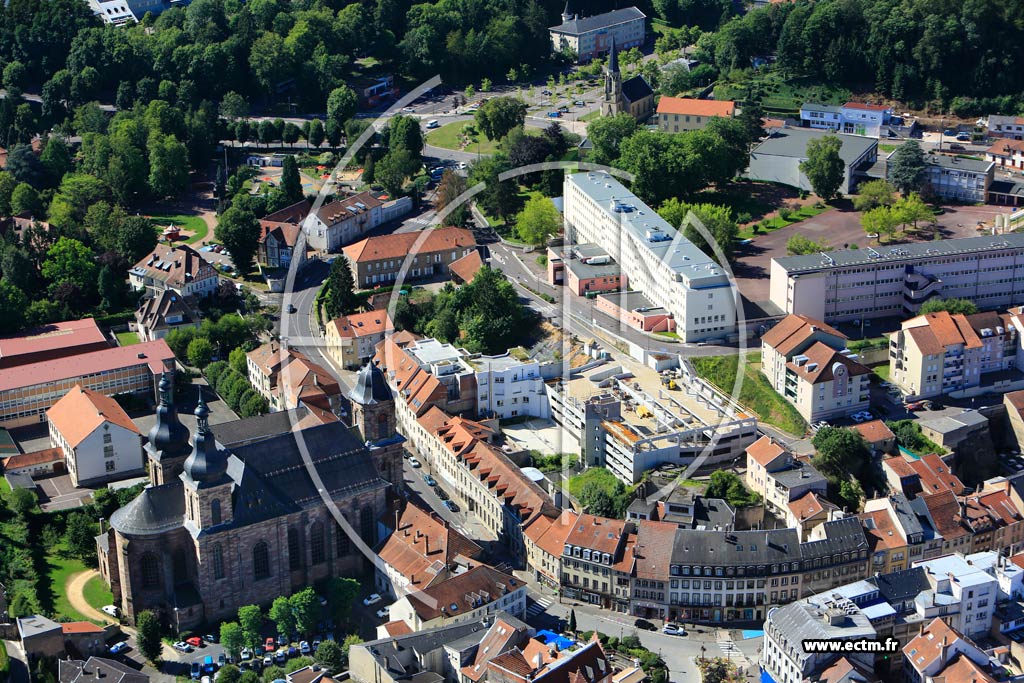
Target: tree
{"type": "Point", "coordinates": [824, 167]}
{"type": "Point", "coordinates": [597, 501]}
{"type": "Point", "coordinates": [485, 85]}
{"type": "Point", "coordinates": [13, 303]}
{"type": "Point", "coordinates": [499, 115]}
{"type": "Point", "coordinates": [341, 594]}
{"type": "Point", "coordinates": [350, 640]}
{"type": "Point", "coordinates": [15, 76]}
{"type": "Point", "coordinates": [306, 607]}
{"type": "Point", "coordinates": [250, 618]}
{"type": "Point", "coordinates": [499, 198]}
{"type": "Point", "coordinates": [470, 92]}
{"type": "Point", "coordinates": [799, 244]}
{"type": "Point", "coordinates": [841, 452]}
{"type": "Point", "coordinates": [538, 220]}
{"type": "Point", "coordinates": [26, 200]}
{"type": "Point", "coordinates": [393, 169]}
{"type": "Point", "coordinates": [168, 165]}
{"type": "Point", "coordinates": [341, 105]}
{"type": "Point", "coordinates": [729, 487]}
{"type": "Point", "coordinates": [249, 676]}
{"type": "Point", "coordinates": [911, 209]}
{"type": "Point", "coordinates": [8, 183]}
{"type": "Point", "coordinates": [239, 231]}
{"type": "Point", "coordinates": [572, 621]}
{"type": "Point", "coordinates": [316, 133]}
{"type": "Point", "coordinates": [134, 238]}
{"type": "Point", "coordinates": [606, 135]}
{"type": "Point", "coordinates": [881, 220]}
{"type": "Point", "coordinates": [112, 289]}
{"type": "Point", "coordinates": [232, 638]}
{"type": "Point", "coordinates": [229, 674]}
{"type": "Point", "coordinates": [450, 188]}
{"type": "Point", "coordinates": [953, 306]}
{"type": "Point", "coordinates": [200, 352]}
{"type": "Point", "coordinates": [329, 655]}
{"type": "Point", "coordinates": [404, 133]}
{"type": "Point", "coordinates": [147, 636]}
{"type": "Point", "coordinates": [80, 536]}
{"type": "Point", "coordinates": [872, 194]}
{"type": "Point", "coordinates": [718, 221]}
{"type": "Point", "coordinates": [369, 168]}
{"type": "Point", "coordinates": [340, 299]}
{"type": "Point", "coordinates": [70, 261]}
{"type": "Point", "coordinates": [907, 167]}
{"type": "Point", "coordinates": [281, 612]}
{"type": "Point", "coordinates": [752, 118]}
{"type": "Point", "coordinates": [291, 183]}
{"type": "Point", "coordinates": [233, 106]}
{"type": "Point", "coordinates": [25, 166]}
{"type": "Point", "coordinates": [23, 502]}
{"type": "Point", "coordinates": [56, 159]}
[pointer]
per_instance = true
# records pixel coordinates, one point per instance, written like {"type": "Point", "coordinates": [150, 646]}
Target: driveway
{"type": "Point", "coordinates": [75, 591]}
{"type": "Point", "coordinates": [58, 493]}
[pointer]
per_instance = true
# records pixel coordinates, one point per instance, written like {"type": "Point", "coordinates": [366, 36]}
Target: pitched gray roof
{"type": "Point", "coordinates": [737, 548]}
{"type": "Point", "coordinates": [575, 27]}
{"type": "Point", "coordinates": [636, 88]}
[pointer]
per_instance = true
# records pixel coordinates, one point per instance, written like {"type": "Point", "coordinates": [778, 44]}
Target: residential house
{"type": "Point", "coordinates": [1007, 155]}
{"type": "Point", "coordinates": [352, 339]}
{"type": "Point", "coordinates": [791, 336]}
{"type": "Point", "coordinates": [596, 552]}
{"type": "Point", "coordinates": [34, 464]}
{"type": "Point", "coordinates": [343, 221]}
{"type": "Point", "coordinates": [279, 232]}
{"type": "Point", "coordinates": [379, 260]}
{"type": "Point", "coordinates": [420, 549]}
{"type": "Point", "coordinates": [479, 592]}
{"type": "Point", "coordinates": [545, 537]}
{"type": "Point", "coordinates": [179, 268]}
{"type": "Point", "coordinates": [1008, 127]}
{"type": "Point", "coordinates": [826, 116]}
{"type": "Point", "coordinates": [950, 432]}
{"type": "Point", "coordinates": [652, 552]}
{"type": "Point", "coordinates": [287, 378]}
{"type": "Point", "coordinates": [436, 375]}
{"type": "Point", "coordinates": [852, 118]}
{"type": "Point", "coordinates": [938, 646]}
{"type": "Point", "coordinates": [942, 512]}
{"type": "Point", "coordinates": [537, 663]}
{"type": "Point", "coordinates": [808, 511]}
{"type": "Point", "coordinates": [938, 353]}
{"type": "Point", "coordinates": [99, 441]}
{"type": "Point", "coordinates": [98, 668]}
{"type": "Point", "coordinates": [877, 436]}
{"type": "Point", "coordinates": [777, 158]}
{"type": "Point", "coordinates": [923, 475]}
{"type": "Point", "coordinates": [680, 114]}
{"type": "Point", "coordinates": [590, 37]}
{"type": "Point", "coordinates": [783, 656]}
{"type": "Point", "coordinates": [464, 269]}
{"type": "Point", "coordinates": [162, 313]}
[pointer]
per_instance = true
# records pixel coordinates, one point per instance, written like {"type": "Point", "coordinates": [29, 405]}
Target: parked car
{"type": "Point", "coordinates": [429, 480]}
{"type": "Point", "coordinates": [208, 666]}
{"type": "Point", "coordinates": [222, 659]}
{"type": "Point", "coordinates": [182, 646]}
{"type": "Point", "coordinates": [963, 136]}
{"type": "Point", "coordinates": [673, 630]}
{"type": "Point", "coordinates": [194, 641]}
{"type": "Point", "coordinates": [645, 625]}
{"type": "Point", "coordinates": [949, 132]}
{"type": "Point", "coordinates": [371, 599]}
{"type": "Point", "coordinates": [110, 610]}
{"type": "Point", "coordinates": [316, 643]}
{"type": "Point", "coordinates": [246, 654]}
{"type": "Point", "coordinates": [451, 505]}
{"type": "Point", "coordinates": [564, 108]}
{"type": "Point", "coordinates": [282, 639]}
{"type": "Point", "coordinates": [416, 464]}
{"type": "Point", "coordinates": [293, 651]}
{"type": "Point", "coordinates": [441, 493]}
{"type": "Point", "coordinates": [196, 671]}
{"type": "Point", "coordinates": [545, 92]}
{"type": "Point", "coordinates": [915, 405]}
{"type": "Point", "coordinates": [281, 656]}
{"type": "Point", "coordinates": [304, 647]}
{"type": "Point", "coordinates": [118, 648]}
{"type": "Point", "coordinates": [268, 661]}
{"type": "Point", "coordinates": [384, 613]}
{"type": "Point", "coordinates": [955, 147]}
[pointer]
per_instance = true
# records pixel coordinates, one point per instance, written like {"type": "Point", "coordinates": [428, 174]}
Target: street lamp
{"type": "Point", "coordinates": [702, 650]}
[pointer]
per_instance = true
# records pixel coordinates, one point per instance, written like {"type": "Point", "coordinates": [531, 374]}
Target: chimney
{"type": "Point", "coordinates": [538, 661]}
{"type": "Point", "coordinates": [426, 544]}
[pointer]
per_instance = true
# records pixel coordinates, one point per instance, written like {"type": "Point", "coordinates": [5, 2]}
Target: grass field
{"type": "Point", "coordinates": [127, 338]}
{"type": "Point", "coordinates": [449, 135]}
{"type": "Point", "coordinates": [777, 222]}
{"type": "Point", "coordinates": [779, 95]}
{"type": "Point", "coordinates": [756, 394]}
{"type": "Point", "coordinates": [60, 568]}
{"type": "Point", "coordinates": [587, 118]}
{"type": "Point", "coordinates": [882, 371]}
{"type": "Point", "coordinates": [96, 592]}
{"type": "Point", "coordinates": [5, 488]}
{"type": "Point", "coordinates": [194, 224]}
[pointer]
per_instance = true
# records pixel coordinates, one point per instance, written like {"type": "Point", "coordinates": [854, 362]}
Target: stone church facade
{"type": "Point", "coordinates": [227, 526]}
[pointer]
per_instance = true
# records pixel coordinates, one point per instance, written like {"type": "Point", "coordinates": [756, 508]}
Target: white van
{"type": "Point", "coordinates": [433, 124]}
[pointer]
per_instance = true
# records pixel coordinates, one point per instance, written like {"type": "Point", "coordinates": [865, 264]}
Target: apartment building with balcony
{"type": "Point", "coordinates": [779, 477]}
{"type": "Point", "coordinates": [652, 255]}
{"type": "Point", "coordinates": [938, 353]}
{"type": "Point", "coordinates": [854, 284]}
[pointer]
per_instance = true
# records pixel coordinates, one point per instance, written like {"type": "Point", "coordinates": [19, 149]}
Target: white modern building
{"type": "Point", "coordinates": [962, 593]}
{"type": "Point", "coordinates": [655, 257]}
{"type": "Point", "coordinates": [98, 439]}
{"type": "Point", "coordinates": [592, 37]}
{"type": "Point", "coordinates": [852, 118]}
{"type": "Point", "coordinates": [853, 284]}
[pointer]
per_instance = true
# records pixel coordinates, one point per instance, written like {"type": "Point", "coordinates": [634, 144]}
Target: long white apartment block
{"type": "Point", "coordinates": [851, 284]}
{"type": "Point", "coordinates": [655, 257]}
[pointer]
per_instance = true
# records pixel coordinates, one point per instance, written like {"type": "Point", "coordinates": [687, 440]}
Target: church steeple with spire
{"type": "Point", "coordinates": [168, 439]}
{"type": "Point", "coordinates": [205, 475]}
{"type": "Point", "coordinates": [566, 13]}
{"type": "Point", "coordinates": [612, 103]}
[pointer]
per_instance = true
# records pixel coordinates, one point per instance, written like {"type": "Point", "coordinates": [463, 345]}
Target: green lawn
{"type": "Point", "coordinates": [449, 136]}
{"type": "Point", "coordinates": [756, 394]}
{"type": "Point", "coordinates": [772, 224]}
{"type": "Point", "coordinates": [885, 147]}
{"type": "Point", "coordinates": [882, 371]}
{"type": "Point", "coordinates": [668, 335]}
{"type": "Point", "coordinates": [61, 567]}
{"type": "Point", "coordinates": [587, 118]}
{"type": "Point", "coordinates": [5, 488]}
{"type": "Point", "coordinates": [96, 592]}
{"type": "Point", "coordinates": [194, 224]}
{"type": "Point", "coordinates": [127, 338]}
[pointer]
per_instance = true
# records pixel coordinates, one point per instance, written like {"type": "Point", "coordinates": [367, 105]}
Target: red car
{"type": "Point", "coordinates": [269, 645]}
{"type": "Point", "coordinates": [195, 641]}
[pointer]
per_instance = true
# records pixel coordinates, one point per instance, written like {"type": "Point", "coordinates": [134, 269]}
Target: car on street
{"type": "Point", "coordinates": [110, 610]}
{"type": "Point", "coordinates": [282, 639]}
{"type": "Point", "coordinates": [564, 108]}
{"type": "Point", "coordinates": [580, 103]}
{"type": "Point", "coordinates": [384, 613]}
{"type": "Point", "coordinates": [304, 647]}
{"type": "Point", "coordinates": [432, 124]}
{"type": "Point", "coordinates": [644, 625]}
{"type": "Point", "coordinates": [963, 136]}
{"type": "Point", "coordinates": [196, 671]}
{"type": "Point", "coordinates": [371, 599]}
{"type": "Point", "coordinates": [451, 505]}
{"type": "Point", "coordinates": [441, 493]}
{"type": "Point", "coordinates": [117, 648]}
{"type": "Point", "coordinates": [292, 309]}
{"type": "Point", "coordinates": [462, 165]}
{"type": "Point", "coordinates": [957, 148]}
{"type": "Point", "coordinates": [408, 110]}
{"type": "Point", "coordinates": [673, 630]}
{"type": "Point", "coordinates": [194, 641]}
{"type": "Point", "coordinates": [554, 114]}
{"type": "Point", "coordinates": [949, 132]}
{"type": "Point", "coordinates": [545, 92]}
{"type": "Point", "coordinates": [415, 464]}
{"type": "Point", "coordinates": [429, 480]}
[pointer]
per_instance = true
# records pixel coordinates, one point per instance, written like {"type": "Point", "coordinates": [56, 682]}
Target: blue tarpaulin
{"type": "Point", "coordinates": [752, 633]}
{"type": "Point", "coordinates": [550, 637]}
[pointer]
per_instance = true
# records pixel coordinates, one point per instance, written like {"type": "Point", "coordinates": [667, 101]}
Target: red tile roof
{"type": "Point", "coordinates": [424, 546]}
{"type": "Point", "coordinates": [935, 475]}
{"type": "Point", "coordinates": [928, 646]}
{"type": "Point", "coordinates": [397, 628]}
{"type": "Point", "coordinates": [765, 450]}
{"type": "Point", "coordinates": [691, 107]}
{"type": "Point", "coordinates": [80, 627]}
{"type": "Point", "coordinates": [176, 265]}
{"type": "Point", "coordinates": [286, 223]}
{"type": "Point", "coordinates": [597, 533]}
{"type": "Point", "coordinates": [653, 549]}
{"type": "Point", "coordinates": [363, 324]}
{"type": "Point", "coordinates": [51, 341]}
{"type": "Point", "coordinates": [809, 505]}
{"type": "Point", "coordinates": [793, 332]}
{"type": "Point", "coordinates": [156, 354]}
{"type": "Point", "coordinates": [338, 211]}
{"type": "Point", "coordinates": [874, 431]}
{"type": "Point", "coordinates": [42, 457]}
{"type": "Point", "coordinates": [549, 533]}
{"type": "Point", "coordinates": [80, 412]}
{"type": "Point", "coordinates": [1000, 148]}
{"type": "Point", "coordinates": [881, 531]}
{"type": "Point", "coordinates": [400, 245]}
{"type": "Point", "coordinates": [821, 364]}
{"type": "Point", "coordinates": [944, 510]}
{"type": "Point", "coordinates": [466, 267]}
{"type": "Point", "coordinates": [962, 670]}
{"type": "Point", "coordinates": [456, 595]}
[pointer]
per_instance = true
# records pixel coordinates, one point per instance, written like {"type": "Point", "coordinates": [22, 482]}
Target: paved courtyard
{"type": "Point", "coordinates": [840, 228]}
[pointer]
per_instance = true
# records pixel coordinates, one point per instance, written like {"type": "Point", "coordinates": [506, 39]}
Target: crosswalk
{"type": "Point", "coordinates": [538, 607]}
{"type": "Point", "coordinates": [732, 652]}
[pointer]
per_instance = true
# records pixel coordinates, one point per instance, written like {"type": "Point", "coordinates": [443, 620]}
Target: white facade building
{"type": "Point", "coordinates": [962, 593]}
{"type": "Point", "coordinates": [872, 283]}
{"type": "Point", "coordinates": [783, 656]}
{"type": "Point", "coordinates": [655, 257]}
{"type": "Point", "coordinates": [508, 387]}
